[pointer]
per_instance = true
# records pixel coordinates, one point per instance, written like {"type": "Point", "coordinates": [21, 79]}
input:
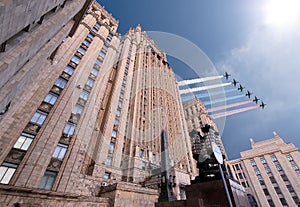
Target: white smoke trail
{"type": "Point", "coordinates": [202, 88]}
{"type": "Point", "coordinates": [198, 80]}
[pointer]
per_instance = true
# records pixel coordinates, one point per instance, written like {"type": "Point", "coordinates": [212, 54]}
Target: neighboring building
{"type": "Point", "coordinates": [82, 112]}
{"type": "Point", "coordinates": [196, 117]}
{"type": "Point", "coordinates": [270, 172]}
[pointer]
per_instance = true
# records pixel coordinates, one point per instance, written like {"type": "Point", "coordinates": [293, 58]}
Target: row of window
{"type": "Point", "coordinates": [109, 158]}
{"type": "Point", "coordinates": [25, 139]}
{"type": "Point", "coordinates": [69, 130]}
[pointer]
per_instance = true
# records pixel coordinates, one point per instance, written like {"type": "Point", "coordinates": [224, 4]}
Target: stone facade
{"type": "Point", "coordinates": [270, 172]}
{"type": "Point", "coordinates": [196, 117]}
{"type": "Point", "coordinates": [85, 109]}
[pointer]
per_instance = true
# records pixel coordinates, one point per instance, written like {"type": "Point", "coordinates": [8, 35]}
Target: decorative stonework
{"type": "Point", "coordinates": [54, 164]}
{"type": "Point", "coordinates": [32, 128]}
{"type": "Point", "coordinates": [45, 107]}
{"type": "Point", "coordinates": [15, 156]}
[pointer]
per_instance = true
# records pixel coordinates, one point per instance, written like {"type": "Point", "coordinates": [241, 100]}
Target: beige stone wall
{"type": "Point", "coordinates": [265, 149]}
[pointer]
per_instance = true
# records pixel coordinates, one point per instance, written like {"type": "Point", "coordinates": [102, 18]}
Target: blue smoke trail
{"type": "Point", "coordinates": [201, 95]}
{"type": "Point", "coordinates": [223, 99]}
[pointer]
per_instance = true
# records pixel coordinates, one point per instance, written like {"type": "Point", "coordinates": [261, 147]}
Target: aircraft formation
{"type": "Point", "coordinates": [241, 88]}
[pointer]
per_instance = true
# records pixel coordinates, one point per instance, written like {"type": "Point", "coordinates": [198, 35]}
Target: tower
{"type": "Point", "coordinates": [87, 110]}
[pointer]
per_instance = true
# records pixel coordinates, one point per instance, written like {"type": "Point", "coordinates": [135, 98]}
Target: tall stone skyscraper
{"type": "Point", "coordinates": [197, 116]}
{"type": "Point", "coordinates": [87, 111]}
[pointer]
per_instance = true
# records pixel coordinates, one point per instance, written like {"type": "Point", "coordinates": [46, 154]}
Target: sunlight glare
{"type": "Point", "coordinates": [282, 12]}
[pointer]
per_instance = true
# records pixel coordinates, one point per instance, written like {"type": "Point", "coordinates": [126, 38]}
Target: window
{"type": "Point", "coordinates": [107, 41]}
{"type": "Point", "coordinates": [123, 88]}
{"type": "Point", "coordinates": [283, 201]}
{"type": "Point", "coordinates": [90, 82]}
{"type": "Point", "coordinates": [97, 25]}
{"type": "Point", "coordinates": [77, 109]}
{"type": "Point", "coordinates": [76, 59]}
{"type": "Point", "coordinates": [61, 83]}
{"type": "Point", "coordinates": [39, 117]}
{"type": "Point", "coordinates": [98, 62]}
{"type": "Point", "coordinates": [94, 72]}
{"type": "Point", "coordinates": [295, 167]}
{"type": "Point", "coordinates": [244, 184]}
{"type": "Point", "coordinates": [141, 153]}
{"type": "Point", "coordinates": [84, 95]}
{"type": "Point", "coordinates": [86, 43]}
{"type": "Point", "coordinates": [237, 167]}
{"type": "Point", "coordinates": [263, 160]}
{"type": "Point", "coordinates": [102, 54]}
{"type": "Point", "coordinates": [104, 48]}
{"type": "Point", "coordinates": [51, 98]}
{"type": "Point", "coordinates": [120, 104]}
{"type": "Point", "coordinates": [268, 170]}
{"type": "Point", "coordinates": [106, 175]}
{"type": "Point", "coordinates": [289, 157]}
{"type": "Point", "coordinates": [144, 165]}
{"type": "Point", "coordinates": [240, 175]}
{"type": "Point", "coordinates": [108, 161]}
{"type": "Point", "coordinates": [290, 188]}
{"type": "Point", "coordinates": [121, 95]}
{"type": "Point", "coordinates": [253, 163]}
{"type": "Point", "coordinates": [94, 29]}
{"type": "Point", "coordinates": [272, 179]}
{"type": "Point", "coordinates": [284, 177]}
{"type": "Point", "coordinates": [114, 133]}
{"type": "Point", "coordinates": [81, 50]}
{"type": "Point", "coordinates": [278, 167]}
{"type": "Point", "coordinates": [91, 36]}
{"type": "Point", "coordinates": [266, 191]}
{"type": "Point", "coordinates": [7, 170]}
{"type": "Point", "coordinates": [60, 151]}
{"type": "Point", "coordinates": [257, 172]}
{"type": "Point", "coordinates": [277, 189]}
{"type": "Point", "coordinates": [24, 141]}
{"type": "Point", "coordinates": [109, 36]}
{"type": "Point", "coordinates": [262, 182]}
{"type": "Point", "coordinates": [116, 122]}
{"type": "Point", "coordinates": [69, 128]}
{"type": "Point", "coordinates": [273, 157]}
{"type": "Point", "coordinates": [271, 203]}
{"type": "Point", "coordinates": [111, 147]}
{"type": "Point", "coordinates": [154, 158]}
{"type": "Point", "coordinates": [69, 70]}
{"type": "Point", "coordinates": [118, 113]}
{"type": "Point", "coordinates": [48, 180]}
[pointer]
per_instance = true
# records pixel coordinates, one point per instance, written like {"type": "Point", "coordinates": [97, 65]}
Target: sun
{"type": "Point", "coordinates": [282, 13]}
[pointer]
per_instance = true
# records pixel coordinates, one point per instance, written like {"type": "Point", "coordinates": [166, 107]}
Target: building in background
{"type": "Point", "coordinates": [83, 109]}
{"type": "Point", "coordinates": [270, 172]}
{"type": "Point", "coordinates": [197, 117]}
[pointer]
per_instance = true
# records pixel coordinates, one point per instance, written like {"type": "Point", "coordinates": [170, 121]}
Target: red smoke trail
{"type": "Point", "coordinates": [228, 113]}
{"type": "Point", "coordinates": [228, 106]}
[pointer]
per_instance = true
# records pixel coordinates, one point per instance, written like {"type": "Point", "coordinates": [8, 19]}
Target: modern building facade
{"type": "Point", "coordinates": [85, 109]}
{"type": "Point", "coordinates": [270, 172]}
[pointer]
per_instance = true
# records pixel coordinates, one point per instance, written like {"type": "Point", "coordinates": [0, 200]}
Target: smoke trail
{"type": "Point", "coordinates": [223, 99]}
{"type": "Point", "coordinates": [198, 80]}
{"type": "Point", "coordinates": [228, 106]}
{"type": "Point", "coordinates": [228, 113]}
{"type": "Point", "coordinates": [204, 95]}
{"type": "Point", "coordinates": [202, 88]}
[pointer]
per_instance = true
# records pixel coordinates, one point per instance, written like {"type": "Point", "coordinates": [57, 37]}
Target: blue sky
{"type": "Point", "coordinates": [238, 37]}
